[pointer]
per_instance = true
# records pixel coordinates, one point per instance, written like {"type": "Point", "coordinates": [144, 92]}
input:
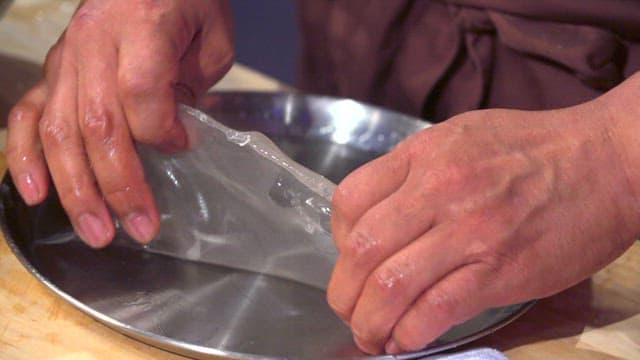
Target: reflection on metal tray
{"type": "Point", "coordinates": [202, 310]}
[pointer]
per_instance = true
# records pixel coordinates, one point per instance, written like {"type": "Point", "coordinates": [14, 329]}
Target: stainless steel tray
{"type": "Point", "coordinates": [202, 310]}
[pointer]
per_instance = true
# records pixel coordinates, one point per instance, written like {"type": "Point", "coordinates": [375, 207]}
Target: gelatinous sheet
{"type": "Point", "coordinates": [234, 199]}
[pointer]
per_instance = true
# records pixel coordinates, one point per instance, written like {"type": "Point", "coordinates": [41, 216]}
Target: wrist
{"type": "Point", "coordinates": [622, 117]}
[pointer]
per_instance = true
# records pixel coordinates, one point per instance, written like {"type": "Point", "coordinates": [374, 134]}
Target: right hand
{"type": "Point", "coordinates": [113, 79]}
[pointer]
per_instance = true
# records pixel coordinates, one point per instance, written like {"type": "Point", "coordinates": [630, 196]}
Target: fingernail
{"type": "Point", "coordinates": [93, 230]}
{"type": "Point", "coordinates": [28, 188]}
{"type": "Point", "coordinates": [141, 227]}
{"type": "Point", "coordinates": [391, 347]}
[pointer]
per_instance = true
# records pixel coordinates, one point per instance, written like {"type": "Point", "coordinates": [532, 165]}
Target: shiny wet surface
{"type": "Point", "coordinates": [204, 310]}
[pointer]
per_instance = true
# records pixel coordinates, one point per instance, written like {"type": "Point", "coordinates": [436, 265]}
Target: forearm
{"type": "Point", "coordinates": [622, 105]}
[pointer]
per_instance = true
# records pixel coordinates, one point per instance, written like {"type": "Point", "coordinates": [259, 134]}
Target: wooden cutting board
{"type": "Point", "coordinates": [597, 319]}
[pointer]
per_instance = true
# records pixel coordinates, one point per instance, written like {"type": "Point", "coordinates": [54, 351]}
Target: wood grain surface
{"type": "Point", "coordinates": [597, 319]}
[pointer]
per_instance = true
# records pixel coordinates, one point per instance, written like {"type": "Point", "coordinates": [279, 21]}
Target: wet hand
{"type": "Point", "coordinates": [487, 209]}
{"type": "Point", "coordinates": [111, 80]}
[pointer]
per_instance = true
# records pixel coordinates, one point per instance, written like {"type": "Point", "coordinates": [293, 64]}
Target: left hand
{"type": "Point", "coordinates": [113, 80]}
{"type": "Point", "coordinates": [488, 209]}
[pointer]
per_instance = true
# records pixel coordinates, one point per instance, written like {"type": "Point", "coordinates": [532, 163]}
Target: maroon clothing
{"type": "Point", "coordinates": [438, 58]}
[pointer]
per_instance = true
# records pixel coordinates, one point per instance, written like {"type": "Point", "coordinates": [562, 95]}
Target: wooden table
{"type": "Point", "coordinates": [597, 319]}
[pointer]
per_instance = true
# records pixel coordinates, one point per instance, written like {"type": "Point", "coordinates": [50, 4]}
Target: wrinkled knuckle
{"type": "Point", "coordinates": [415, 150]}
{"type": "Point", "coordinates": [479, 250]}
{"type": "Point", "coordinates": [120, 196]}
{"type": "Point", "coordinates": [390, 281]}
{"type": "Point", "coordinates": [24, 110]}
{"type": "Point", "coordinates": [166, 127]}
{"type": "Point", "coordinates": [97, 125]}
{"type": "Point", "coordinates": [134, 85]}
{"type": "Point", "coordinates": [54, 132]}
{"type": "Point", "coordinates": [420, 201]}
{"type": "Point", "coordinates": [361, 247]}
{"type": "Point", "coordinates": [51, 54]}
{"type": "Point", "coordinates": [229, 55]}
{"type": "Point", "coordinates": [50, 66]}
{"type": "Point", "coordinates": [86, 19]}
{"type": "Point", "coordinates": [162, 131]}
{"type": "Point", "coordinates": [117, 190]}
{"type": "Point", "coordinates": [497, 260]}
{"type": "Point", "coordinates": [440, 304]}
{"type": "Point", "coordinates": [75, 195]}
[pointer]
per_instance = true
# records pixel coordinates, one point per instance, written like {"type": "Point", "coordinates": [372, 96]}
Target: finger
{"type": "Point", "coordinates": [211, 52]}
{"type": "Point", "coordinates": [111, 151]}
{"type": "Point", "coordinates": [363, 189]}
{"type": "Point", "coordinates": [52, 61]}
{"type": "Point", "coordinates": [380, 232]}
{"type": "Point", "coordinates": [391, 289]}
{"type": "Point", "coordinates": [68, 163]}
{"type": "Point", "coordinates": [456, 298]}
{"type": "Point", "coordinates": [147, 91]}
{"type": "Point", "coordinates": [24, 156]}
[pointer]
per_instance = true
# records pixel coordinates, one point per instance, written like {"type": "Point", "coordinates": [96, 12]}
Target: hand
{"type": "Point", "coordinates": [487, 209]}
{"type": "Point", "coordinates": [111, 80]}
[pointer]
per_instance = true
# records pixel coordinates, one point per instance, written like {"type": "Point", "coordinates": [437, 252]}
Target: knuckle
{"type": "Point", "coordinates": [133, 84]}
{"type": "Point", "coordinates": [454, 175]}
{"type": "Point", "coordinates": [97, 125]}
{"type": "Point", "coordinates": [419, 202]}
{"type": "Point", "coordinates": [391, 280]}
{"type": "Point", "coordinates": [162, 131]}
{"type": "Point", "coordinates": [76, 28]}
{"type": "Point", "coordinates": [121, 198]}
{"type": "Point", "coordinates": [496, 252]}
{"type": "Point", "coordinates": [87, 18]}
{"type": "Point", "coordinates": [54, 132]}
{"type": "Point", "coordinates": [51, 64]}
{"type": "Point", "coordinates": [24, 110]}
{"type": "Point", "coordinates": [439, 303]}
{"type": "Point", "coordinates": [415, 148]}
{"type": "Point", "coordinates": [76, 194]}
{"type": "Point", "coordinates": [51, 54]}
{"type": "Point", "coordinates": [126, 192]}
{"type": "Point", "coordinates": [362, 248]}
{"type": "Point", "coordinates": [166, 127]}
{"type": "Point", "coordinates": [497, 260]}
{"type": "Point", "coordinates": [478, 247]}
{"type": "Point", "coordinates": [117, 192]}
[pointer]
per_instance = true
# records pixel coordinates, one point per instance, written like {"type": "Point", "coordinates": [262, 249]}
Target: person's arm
{"type": "Point", "coordinates": [487, 209]}
{"type": "Point", "coordinates": [112, 80]}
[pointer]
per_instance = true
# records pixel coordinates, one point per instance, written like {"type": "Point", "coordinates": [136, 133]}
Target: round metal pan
{"type": "Point", "coordinates": [201, 310]}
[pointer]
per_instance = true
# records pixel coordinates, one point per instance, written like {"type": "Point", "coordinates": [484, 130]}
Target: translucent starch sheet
{"type": "Point", "coordinates": [234, 199]}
